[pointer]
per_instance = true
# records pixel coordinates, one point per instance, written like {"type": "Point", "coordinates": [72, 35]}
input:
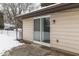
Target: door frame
{"type": "Point", "coordinates": [42, 43]}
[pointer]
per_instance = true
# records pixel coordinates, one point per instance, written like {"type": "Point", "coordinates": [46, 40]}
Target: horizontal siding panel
{"type": "Point", "coordinates": [66, 48]}
{"type": "Point", "coordinates": [65, 34]}
{"type": "Point", "coordinates": [71, 43]}
{"type": "Point", "coordinates": [28, 29]}
{"type": "Point", "coordinates": [67, 25]}
{"type": "Point", "coordinates": [66, 30]}
{"type": "Point", "coordinates": [72, 12]}
{"type": "Point", "coordinates": [66, 17]}
{"type": "Point", "coordinates": [67, 38]}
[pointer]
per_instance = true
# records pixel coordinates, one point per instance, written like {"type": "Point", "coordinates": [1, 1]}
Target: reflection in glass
{"type": "Point", "coordinates": [37, 29]}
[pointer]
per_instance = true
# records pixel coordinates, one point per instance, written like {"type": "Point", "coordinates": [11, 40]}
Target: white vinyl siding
{"type": "Point", "coordinates": [66, 30]}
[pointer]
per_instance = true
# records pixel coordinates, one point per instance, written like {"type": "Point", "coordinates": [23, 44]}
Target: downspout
{"type": "Point", "coordinates": [16, 28]}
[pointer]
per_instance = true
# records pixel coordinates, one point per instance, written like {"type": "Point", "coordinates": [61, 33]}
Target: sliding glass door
{"type": "Point", "coordinates": [42, 29]}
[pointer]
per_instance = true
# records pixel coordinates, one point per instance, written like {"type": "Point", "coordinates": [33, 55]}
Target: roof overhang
{"type": "Point", "coordinates": [49, 9]}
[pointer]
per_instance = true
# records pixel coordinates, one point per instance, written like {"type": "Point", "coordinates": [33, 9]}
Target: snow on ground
{"type": "Point", "coordinates": [8, 41]}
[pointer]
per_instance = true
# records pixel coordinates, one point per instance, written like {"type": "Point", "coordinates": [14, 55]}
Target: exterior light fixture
{"type": "Point", "coordinates": [54, 21]}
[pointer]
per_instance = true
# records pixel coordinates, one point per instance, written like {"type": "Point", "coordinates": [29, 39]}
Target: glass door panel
{"type": "Point", "coordinates": [45, 30]}
{"type": "Point", "coordinates": [37, 29]}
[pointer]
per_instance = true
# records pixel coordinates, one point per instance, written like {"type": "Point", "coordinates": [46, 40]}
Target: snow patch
{"type": "Point", "coordinates": [7, 42]}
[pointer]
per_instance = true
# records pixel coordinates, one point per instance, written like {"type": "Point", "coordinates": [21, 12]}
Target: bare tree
{"type": "Point", "coordinates": [10, 11]}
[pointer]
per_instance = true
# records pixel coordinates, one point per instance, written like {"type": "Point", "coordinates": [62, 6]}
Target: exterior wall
{"type": "Point", "coordinates": [65, 30]}
{"type": "Point", "coordinates": [28, 29]}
